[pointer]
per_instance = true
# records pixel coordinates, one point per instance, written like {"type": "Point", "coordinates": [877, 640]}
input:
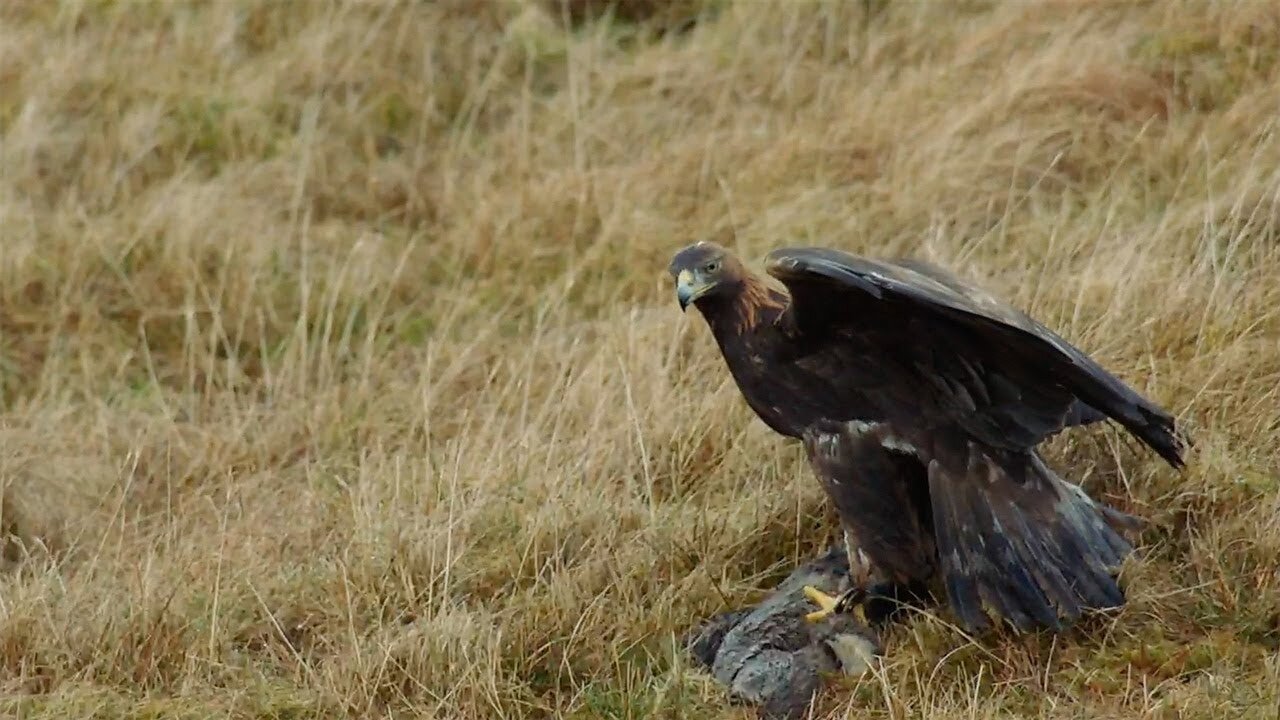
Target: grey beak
{"type": "Point", "coordinates": [685, 295]}
{"type": "Point", "coordinates": [687, 289]}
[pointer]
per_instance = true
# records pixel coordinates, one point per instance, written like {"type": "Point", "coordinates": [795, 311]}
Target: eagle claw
{"type": "Point", "coordinates": [845, 602]}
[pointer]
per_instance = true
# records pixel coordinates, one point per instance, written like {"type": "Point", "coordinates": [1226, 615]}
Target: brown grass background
{"type": "Point", "coordinates": [339, 374]}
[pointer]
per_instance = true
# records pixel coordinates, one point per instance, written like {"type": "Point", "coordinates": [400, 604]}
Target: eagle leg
{"type": "Point", "coordinates": [852, 598]}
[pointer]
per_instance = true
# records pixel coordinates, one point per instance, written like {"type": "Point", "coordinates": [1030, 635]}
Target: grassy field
{"type": "Point", "coordinates": [340, 375]}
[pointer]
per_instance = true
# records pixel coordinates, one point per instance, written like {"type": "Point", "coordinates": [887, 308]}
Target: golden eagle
{"type": "Point", "coordinates": [920, 400]}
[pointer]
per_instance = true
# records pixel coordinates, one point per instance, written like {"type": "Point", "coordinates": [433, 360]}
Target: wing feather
{"type": "Point", "coordinates": [925, 314]}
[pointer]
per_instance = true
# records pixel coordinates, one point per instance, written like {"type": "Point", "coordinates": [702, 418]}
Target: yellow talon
{"type": "Point", "coordinates": [823, 600]}
{"type": "Point", "coordinates": [828, 604]}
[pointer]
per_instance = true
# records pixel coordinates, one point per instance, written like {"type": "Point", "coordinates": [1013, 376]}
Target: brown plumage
{"type": "Point", "coordinates": [920, 400]}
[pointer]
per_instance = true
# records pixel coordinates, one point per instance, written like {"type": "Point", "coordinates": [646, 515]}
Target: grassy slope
{"type": "Point", "coordinates": [340, 375]}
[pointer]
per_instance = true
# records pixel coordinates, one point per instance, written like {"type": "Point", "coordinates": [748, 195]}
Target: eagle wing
{"type": "Point", "coordinates": [1009, 381]}
{"type": "Point", "coordinates": [1010, 534]}
{"type": "Point", "coordinates": [1079, 413]}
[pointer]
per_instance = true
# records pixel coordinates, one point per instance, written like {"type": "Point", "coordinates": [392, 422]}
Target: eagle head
{"type": "Point", "coordinates": [704, 269]}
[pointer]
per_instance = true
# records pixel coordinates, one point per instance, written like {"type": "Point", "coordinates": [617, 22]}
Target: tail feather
{"type": "Point", "coordinates": [1015, 537]}
{"type": "Point", "coordinates": [1006, 584]}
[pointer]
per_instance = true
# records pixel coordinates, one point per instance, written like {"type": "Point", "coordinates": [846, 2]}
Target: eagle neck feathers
{"type": "Point", "coordinates": [740, 313]}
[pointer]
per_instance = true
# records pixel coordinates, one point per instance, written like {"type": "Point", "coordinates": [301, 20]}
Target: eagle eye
{"type": "Point", "coordinates": [711, 267]}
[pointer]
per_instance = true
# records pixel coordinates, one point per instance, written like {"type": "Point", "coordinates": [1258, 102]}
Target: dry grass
{"type": "Point", "coordinates": [340, 376]}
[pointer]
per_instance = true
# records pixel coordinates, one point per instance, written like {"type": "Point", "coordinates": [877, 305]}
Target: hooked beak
{"type": "Point", "coordinates": [688, 289]}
